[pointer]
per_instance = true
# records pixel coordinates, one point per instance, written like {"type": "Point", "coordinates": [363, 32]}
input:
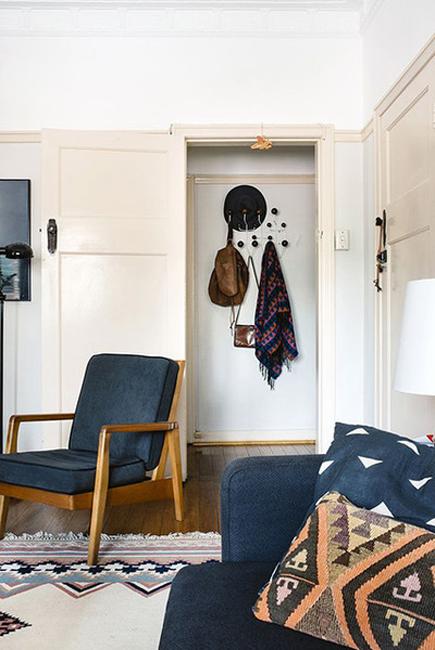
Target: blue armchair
{"type": "Point", "coordinates": [130, 398]}
{"type": "Point", "coordinates": [263, 503]}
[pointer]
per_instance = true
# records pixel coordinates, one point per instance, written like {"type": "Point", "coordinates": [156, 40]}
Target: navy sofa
{"type": "Point", "coordinates": [264, 501]}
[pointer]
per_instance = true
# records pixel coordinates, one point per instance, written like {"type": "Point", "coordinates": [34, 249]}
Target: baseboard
{"type": "Point", "coordinates": [253, 443]}
{"type": "Point", "coordinates": [295, 437]}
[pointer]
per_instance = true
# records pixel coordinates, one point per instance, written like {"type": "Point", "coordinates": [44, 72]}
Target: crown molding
{"type": "Point", "coordinates": [292, 5]}
{"type": "Point", "coordinates": [191, 18]}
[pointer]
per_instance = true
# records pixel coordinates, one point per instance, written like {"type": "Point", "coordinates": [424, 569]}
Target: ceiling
{"type": "Point", "coordinates": [283, 18]}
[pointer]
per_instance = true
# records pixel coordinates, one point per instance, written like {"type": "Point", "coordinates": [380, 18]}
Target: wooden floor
{"type": "Point", "coordinates": [201, 491]}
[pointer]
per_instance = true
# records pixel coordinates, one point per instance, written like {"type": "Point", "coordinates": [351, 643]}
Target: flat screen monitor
{"type": "Point", "coordinates": [15, 227]}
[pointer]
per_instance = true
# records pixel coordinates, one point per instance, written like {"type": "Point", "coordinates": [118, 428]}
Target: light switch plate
{"type": "Point", "coordinates": [341, 240]}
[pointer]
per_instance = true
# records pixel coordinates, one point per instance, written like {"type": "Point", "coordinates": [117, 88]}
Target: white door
{"type": "Point", "coordinates": [116, 282]}
{"type": "Point", "coordinates": [407, 193]}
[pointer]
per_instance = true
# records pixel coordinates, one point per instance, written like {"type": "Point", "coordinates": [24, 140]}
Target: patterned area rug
{"type": "Point", "coordinates": [50, 598]}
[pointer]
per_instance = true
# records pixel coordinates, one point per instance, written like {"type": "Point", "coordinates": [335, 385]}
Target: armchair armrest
{"type": "Point", "coordinates": [41, 417]}
{"type": "Point", "coordinates": [264, 501]}
{"type": "Point", "coordinates": [137, 427]}
{"type": "Point", "coordinates": [16, 420]}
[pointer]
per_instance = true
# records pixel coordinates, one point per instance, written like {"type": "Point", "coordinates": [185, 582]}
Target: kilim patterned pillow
{"type": "Point", "coordinates": [356, 578]}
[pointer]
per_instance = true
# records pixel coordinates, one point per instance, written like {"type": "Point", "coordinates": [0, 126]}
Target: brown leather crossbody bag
{"type": "Point", "coordinates": [244, 335]}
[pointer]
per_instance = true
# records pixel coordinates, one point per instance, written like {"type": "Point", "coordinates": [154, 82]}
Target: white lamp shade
{"type": "Point", "coordinates": [415, 370]}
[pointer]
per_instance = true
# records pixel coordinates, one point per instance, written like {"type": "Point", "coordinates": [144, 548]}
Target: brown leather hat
{"type": "Point", "coordinates": [229, 279]}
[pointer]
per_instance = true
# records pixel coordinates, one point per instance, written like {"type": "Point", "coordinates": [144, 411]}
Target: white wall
{"type": "Point", "coordinates": [349, 283]}
{"type": "Point", "coordinates": [22, 320]}
{"type": "Point", "coordinates": [141, 83]}
{"type": "Point", "coordinates": [396, 34]}
{"type": "Point", "coordinates": [233, 400]}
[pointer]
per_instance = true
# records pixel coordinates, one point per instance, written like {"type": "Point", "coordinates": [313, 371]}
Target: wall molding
{"type": "Point", "coordinates": [252, 179]}
{"type": "Point", "coordinates": [290, 437]}
{"type": "Point", "coordinates": [16, 137]}
{"type": "Point", "coordinates": [213, 133]}
{"type": "Point", "coordinates": [347, 135]}
{"type": "Point", "coordinates": [354, 135]}
{"type": "Point", "coordinates": [229, 134]}
{"type": "Point", "coordinates": [367, 131]}
{"type": "Point", "coordinates": [203, 18]}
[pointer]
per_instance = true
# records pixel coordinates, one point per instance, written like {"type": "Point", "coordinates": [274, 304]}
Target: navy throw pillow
{"type": "Point", "coordinates": [381, 471]}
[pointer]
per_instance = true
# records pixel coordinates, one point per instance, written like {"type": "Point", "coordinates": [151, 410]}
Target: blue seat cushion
{"type": "Point", "coordinates": [210, 608]}
{"type": "Point", "coordinates": [65, 470]}
{"type": "Point", "coordinates": [124, 389]}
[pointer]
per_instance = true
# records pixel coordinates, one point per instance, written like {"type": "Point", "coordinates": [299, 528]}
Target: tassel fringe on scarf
{"type": "Point", "coordinates": [275, 343]}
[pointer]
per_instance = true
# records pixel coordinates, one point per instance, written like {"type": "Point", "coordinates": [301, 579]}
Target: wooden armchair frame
{"type": "Point", "coordinates": [156, 489]}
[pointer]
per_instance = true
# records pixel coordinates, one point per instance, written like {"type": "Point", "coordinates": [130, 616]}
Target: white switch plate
{"type": "Point", "coordinates": [341, 240]}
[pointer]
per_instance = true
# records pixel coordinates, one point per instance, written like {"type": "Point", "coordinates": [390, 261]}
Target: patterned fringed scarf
{"type": "Point", "coordinates": [275, 343]}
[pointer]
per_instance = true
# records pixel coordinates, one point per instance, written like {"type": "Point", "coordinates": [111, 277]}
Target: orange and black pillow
{"type": "Point", "coordinates": [356, 578]}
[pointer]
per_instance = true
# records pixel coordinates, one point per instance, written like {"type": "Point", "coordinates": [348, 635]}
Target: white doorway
{"type": "Point", "coordinates": [228, 399]}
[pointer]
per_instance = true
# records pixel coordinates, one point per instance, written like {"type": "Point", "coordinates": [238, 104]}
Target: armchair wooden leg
{"type": "Point", "coordinates": [175, 456]}
{"type": "Point", "coordinates": [99, 499]}
{"type": "Point", "coordinates": [4, 506]}
{"type": "Point", "coordinates": [96, 527]}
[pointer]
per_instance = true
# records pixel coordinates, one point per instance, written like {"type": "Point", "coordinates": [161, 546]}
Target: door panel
{"type": "Point", "coordinates": [102, 318]}
{"type": "Point", "coordinates": [117, 280]}
{"type": "Point", "coordinates": [137, 182]}
{"type": "Point", "coordinates": [407, 193]}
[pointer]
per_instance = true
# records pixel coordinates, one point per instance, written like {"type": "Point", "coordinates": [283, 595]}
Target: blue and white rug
{"type": "Point", "coordinates": [50, 597]}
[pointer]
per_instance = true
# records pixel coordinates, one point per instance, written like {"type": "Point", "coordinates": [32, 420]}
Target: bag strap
{"type": "Point", "coordinates": [230, 229]}
{"type": "Point", "coordinates": [235, 319]}
{"type": "Point", "coordinates": [254, 270]}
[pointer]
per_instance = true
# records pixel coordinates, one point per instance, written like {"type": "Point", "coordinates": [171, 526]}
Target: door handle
{"type": "Point", "coordinates": [52, 236]}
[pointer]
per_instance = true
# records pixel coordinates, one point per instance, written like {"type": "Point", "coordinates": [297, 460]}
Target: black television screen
{"type": "Point", "coordinates": [15, 227]}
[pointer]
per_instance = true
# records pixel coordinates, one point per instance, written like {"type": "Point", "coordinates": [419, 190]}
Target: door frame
{"type": "Point", "coordinates": [322, 137]}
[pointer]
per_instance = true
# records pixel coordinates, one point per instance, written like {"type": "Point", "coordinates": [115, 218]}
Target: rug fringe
{"type": "Point", "coordinates": [82, 537]}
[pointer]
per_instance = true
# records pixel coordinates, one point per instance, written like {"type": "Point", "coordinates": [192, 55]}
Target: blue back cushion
{"type": "Point", "coordinates": [124, 389]}
{"type": "Point", "coordinates": [381, 471]}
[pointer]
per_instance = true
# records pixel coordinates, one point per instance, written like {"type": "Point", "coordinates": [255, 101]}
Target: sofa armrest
{"type": "Point", "coordinates": [264, 501]}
